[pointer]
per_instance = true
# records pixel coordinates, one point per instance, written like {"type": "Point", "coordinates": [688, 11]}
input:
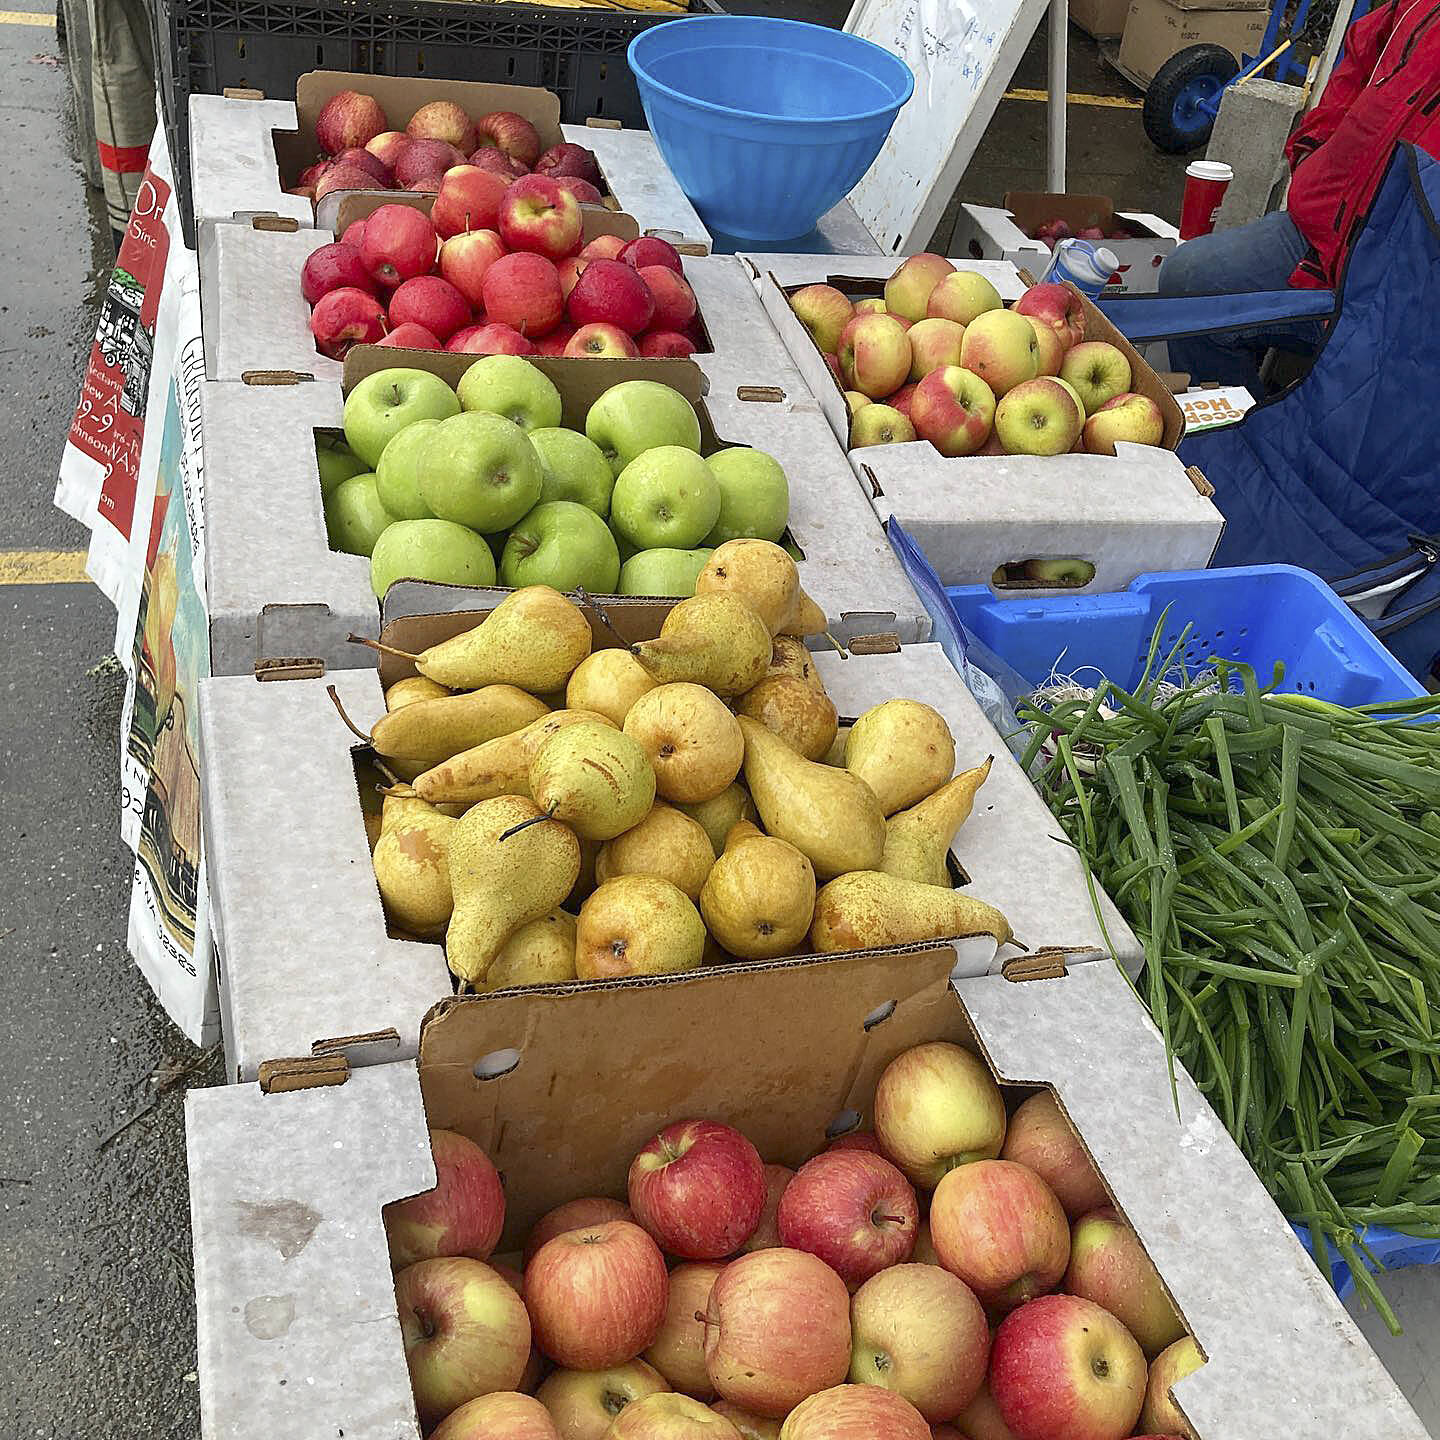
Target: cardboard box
{"type": "Point", "coordinates": [298, 1335]}
{"type": "Point", "coordinates": [1004, 232]}
{"type": "Point", "coordinates": [282, 602]}
{"type": "Point", "coordinates": [1157, 29]}
{"type": "Point", "coordinates": [1103, 19]}
{"type": "Point", "coordinates": [306, 966]}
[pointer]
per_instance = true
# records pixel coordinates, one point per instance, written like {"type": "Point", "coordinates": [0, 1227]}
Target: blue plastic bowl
{"type": "Point", "coordinates": [766, 124]}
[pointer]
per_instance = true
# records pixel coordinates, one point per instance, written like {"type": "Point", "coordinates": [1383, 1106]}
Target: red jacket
{"type": "Point", "coordinates": [1386, 88]}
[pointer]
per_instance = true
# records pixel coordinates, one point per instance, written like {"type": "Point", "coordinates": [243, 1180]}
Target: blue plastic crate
{"type": "Point", "coordinates": [1394, 1251]}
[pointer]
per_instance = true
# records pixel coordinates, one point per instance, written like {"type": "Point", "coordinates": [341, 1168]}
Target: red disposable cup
{"type": "Point", "coordinates": [1205, 183]}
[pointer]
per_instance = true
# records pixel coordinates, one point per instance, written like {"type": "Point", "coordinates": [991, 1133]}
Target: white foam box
{"type": "Point", "coordinates": [297, 1329]}
{"type": "Point", "coordinates": [306, 965]}
{"type": "Point", "coordinates": [282, 602]}
{"type": "Point", "coordinates": [1139, 510]}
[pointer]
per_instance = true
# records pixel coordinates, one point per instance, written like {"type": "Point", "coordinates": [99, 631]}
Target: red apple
{"type": "Point", "coordinates": [611, 293]}
{"type": "Point", "coordinates": [487, 157]}
{"type": "Point", "coordinates": [854, 1210]}
{"type": "Point", "coordinates": [426, 160]}
{"type": "Point", "coordinates": [311, 174]}
{"type": "Point", "coordinates": [584, 1403]}
{"type": "Point", "coordinates": [908, 290]}
{"type": "Point", "coordinates": [981, 1418]}
{"type": "Point", "coordinates": [468, 199]}
{"type": "Point", "coordinates": [1041, 1137]}
{"type": "Point", "coordinates": [570, 271]}
{"type": "Point", "coordinates": [501, 1415]}
{"type": "Point", "coordinates": [678, 1350]}
{"type": "Point", "coordinates": [459, 342]}
{"type": "Point", "coordinates": [554, 344]}
{"type": "Point", "coordinates": [902, 399]}
{"type": "Point", "coordinates": [933, 345]}
{"type": "Point", "coordinates": [512, 133]}
{"type": "Point", "coordinates": [344, 177]}
{"type": "Point", "coordinates": [832, 364]}
{"type": "Point", "coordinates": [465, 258]}
{"type": "Point", "coordinates": [699, 1186]}
{"type": "Point", "coordinates": [568, 159]}
{"type": "Point", "coordinates": [411, 337]}
{"type": "Point", "coordinates": [824, 311]}
{"type": "Point", "coordinates": [652, 250]}
{"type": "Point", "coordinates": [523, 291]}
{"type": "Point", "coordinates": [332, 267]}
{"type": "Point", "coordinates": [537, 215]}
{"type": "Point", "coordinates": [1059, 307]}
{"type": "Point", "coordinates": [674, 299]}
{"type": "Point", "coordinates": [776, 1330]}
{"type": "Point", "coordinates": [348, 119]}
{"type": "Point", "coordinates": [920, 1331]}
{"type": "Point", "coordinates": [857, 1140]}
{"type": "Point", "coordinates": [399, 244]}
{"type": "Point", "coordinates": [346, 317]}
{"type": "Point", "coordinates": [855, 1412]}
{"type": "Point", "coordinates": [1127, 417]}
{"type": "Point", "coordinates": [354, 234]}
{"type": "Point", "coordinates": [583, 191]}
{"type": "Point", "coordinates": [954, 410]}
{"type": "Point", "coordinates": [601, 342]}
{"type": "Point", "coordinates": [305, 192]}
{"type": "Point", "coordinates": [425, 185]}
{"type": "Point", "coordinates": [596, 1296]}
{"type": "Point", "coordinates": [388, 146]}
{"type": "Point", "coordinates": [588, 1210]}
{"type": "Point", "coordinates": [361, 158]}
{"type": "Point", "coordinates": [668, 1416]}
{"type": "Point", "coordinates": [432, 302]}
{"type": "Point", "coordinates": [874, 355]}
{"type": "Point", "coordinates": [443, 120]}
{"type": "Point", "coordinates": [766, 1235]}
{"type": "Point", "coordinates": [491, 339]}
{"type": "Point", "coordinates": [465, 1330]}
{"type": "Point", "coordinates": [750, 1425]}
{"type": "Point", "coordinates": [665, 344]}
{"type": "Point", "coordinates": [603, 247]}
{"type": "Point", "coordinates": [1108, 1265]}
{"type": "Point", "coordinates": [1063, 1366]}
{"type": "Point", "coordinates": [1160, 1413]}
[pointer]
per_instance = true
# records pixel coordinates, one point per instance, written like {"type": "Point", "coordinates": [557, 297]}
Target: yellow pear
{"type": "Point", "coordinates": [917, 840]}
{"type": "Point", "coordinates": [718, 815]}
{"type": "Point", "coordinates": [760, 573]}
{"type": "Point", "coordinates": [410, 689]}
{"type": "Point", "coordinates": [741, 830]}
{"type": "Point", "coordinates": [608, 682]}
{"type": "Point", "coordinates": [533, 638]}
{"type": "Point", "coordinates": [637, 925]}
{"type": "Point", "coordinates": [760, 895]}
{"type": "Point", "coordinates": [373, 821]}
{"type": "Point", "coordinates": [666, 843]}
{"type": "Point", "coordinates": [808, 619]}
{"type": "Point", "coordinates": [835, 755]}
{"type": "Point", "coordinates": [692, 739]}
{"type": "Point", "coordinates": [902, 749]}
{"type": "Point", "coordinates": [500, 885]}
{"type": "Point", "coordinates": [866, 909]}
{"type": "Point", "coordinates": [410, 862]}
{"type": "Point", "coordinates": [713, 640]}
{"type": "Point", "coordinates": [831, 816]}
{"type": "Point", "coordinates": [585, 882]}
{"type": "Point", "coordinates": [540, 952]}
{"type": "Point", "coordinates": [593, 777]}
{"type": "Point", "coordinates": [438, 728]}
{"type": "Point", "coordinates": [791, 656]}
{"type": "Point", "coordinates": [498, 767]}
{"type": "Point", "coordinates": [796, 710]}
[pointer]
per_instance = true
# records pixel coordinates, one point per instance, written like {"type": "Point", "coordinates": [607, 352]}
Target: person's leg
{"type": "Point", "coordinates": [1257, 256]}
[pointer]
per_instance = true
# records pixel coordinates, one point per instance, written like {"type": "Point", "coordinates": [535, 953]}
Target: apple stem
{"type": "Point", "coordinates": [891, 1219]}
{"type": "Point", "coordinates": [533, 820]}
{"type": "Point", "coordinates": [381, 647]}
{"type": "Point", "coordinates": [353, 727]}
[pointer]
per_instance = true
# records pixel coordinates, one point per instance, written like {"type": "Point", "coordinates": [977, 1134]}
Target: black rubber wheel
{"type": "Point", "coordinates": [1173, 116]}
{"type": "Point", "coordinates": [60, 21]}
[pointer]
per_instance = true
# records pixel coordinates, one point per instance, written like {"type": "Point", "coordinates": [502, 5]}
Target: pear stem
{"type": "Point", "coordinates": [388, 773]}
{"type": "Point", "coordinates": [381, 647]}
{"type": "Point", "coordinates": [533, 820]}
{"type": "Point", "coordinates": [353, 727]}
{"type": "Point", "coordinates": [464, 988]}
{"type": "Point", "coordinates": [592, 603]}
{"type": "Point", "coordinates": [844, 653]}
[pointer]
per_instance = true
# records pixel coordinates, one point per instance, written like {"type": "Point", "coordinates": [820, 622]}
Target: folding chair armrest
{"type": "Point", "coordinates": [1141, 318]}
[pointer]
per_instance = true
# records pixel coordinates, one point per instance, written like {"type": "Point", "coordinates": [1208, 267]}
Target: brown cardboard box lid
{"type": "Point", "coordinates": [1034, 207]}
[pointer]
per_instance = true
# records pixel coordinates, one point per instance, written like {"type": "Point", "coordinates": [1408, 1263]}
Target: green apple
{"type": "Point", "coordinates": [637, 415]}
{"type": "Point", "coordinates": [754, 496]}
{"type": "Point", "coordinates": [625, 548]}
{"type": "Point", "coordinates": [397, 476]}
{"type": "Point", "coordinates": [662, 572]}
{"type": "Point", "coordinates": [511, 386]}
{"type": "Point", "coordinates": [480, 470]}
{"type": "Point", "coordinates": [668, 497]}
{"type": "Point", "coordinates": [564, 545]}
{"type": "Point", "coordinates": [437, 550]}
{"type": "Point", "coordinates": [386, 402]}
{"type": "Point", "coordinates": [354, 516]}
{"type": "Point", "coordinates": [572, 468]}
{"type": "Point", "coordinates": [335, 460]}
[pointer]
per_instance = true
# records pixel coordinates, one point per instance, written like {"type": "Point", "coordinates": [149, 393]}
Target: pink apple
{"type": "Point", "coordinates": [512, 133]}
{"type": "Point", "coordinates": [596, 1296]}
{"type": "Point", "coordinates": [858, 1140]}
{"type": "Point", "coordinates": [902, 400]}
{"type": "Point", "coordinates": [933, 345]}
{"type": "Point", "coordinates": [937, 1106]}
{"type": "Point", "coordinates": [874, 355]}
{"type": "Point", "coordinates": [468, 199]}
{"type": "Point", "coordinates": [875, 424]}
{"type": "Point", "coordinates": [465, 258]}
{"type": "Point", "coordinates": [1049, 348]}
{"type": "Point", "coordinates": [1131, 417]}
{"type": "Point", "coordinates": [426, 159]}
{"type": "Point", "coordinates": [766, 1235]}
{"type": "Point", "coordinates": [568, 159]}
{"type": "Point", "coordinates": [554, 344]}
{"type": "Point", "coordinates": [388, 146]}
{"type": "Point", "coordinates": [311, 174]}
{"type": "Point", "coordinates": [491, 339]}
{"type": "Point", "coordinates": [652, 250]}
{"type": "Point", "coordinates": [1061, 1365]}
{"type": "Point", "coordinates": [665, 343]}
{"type": "Point", "coordinates": [962, 297]}
{"type": "Point", "coordinates": [332, 267]}
{"type": "Point", "coordinates": [668, 1416]}
{"type": "Point", "coordinates": [443, 120]}
{"type": "Point", "coordinates": [875, 305]}
{"type": "Point", "coordinates": [459, 342]}
{"type": "Point", "coordinates": [609, 292]}
{"type": "Point", "coordinates": [604, 247]}
{"type": "Point", "coordinates": [399, 243]}
{"type": "Point", "coordinates": [345, 317]}
{"type": "Point", "coordinates": [425, 185]}
{"type": "Point", "coordinates": [583, 191]}
{"type": "Point", "coordinates": [908, 290]}
{"type": "Point", "coordinates": [584, 1403]}
{"type": "Point", "coordinates": [570, 271]}
{"type": "Point", "coordinates": [1038, 417]}
{"type": "Point", "coordinates": [750, 1425]}
{"type": "Point", "coordinates": [825, 312]}
{"type": "Point", "coordinates": [776, 1330]}
{"type": "Point", "coordinates": [1099, 372]}
{"type": "Point", "coordinates": [1042, 1138]}
{"type": "Point", "coordinates": [344, 177]}
{"type": "Point", "coordinates": [348, 119]}
{"type": "Point", "coordinates": [523, 291]}
{"type": "Point", "coordinates": [465, 1330]}
{"type": "Point", "coordinates": [601, 342]}
{"type": "Point", "coordinates": [678, 1349]}
{"type": "Point", "coordinates": [487, 157]}
{"type": "Point", "coordinates": [354, 234]}
{"type": "Point", "coordinates": [1109, 1265]}
{"type": "Point", "coordinates": [410, 336]}
{"type": "Point", "coordinates": [832, 364]}
{"type": "Point", "coordinates": [432, 302]}
{"type": "Point", "coordinates": [674, 299]}
{"type": "Point", "coordinates": [1057, 306]}
{"type": "Point", "coordinates": [1160, 1413]}
{"type": "Point", "coordinates": [999, 1227]}
{"type": "Point", "coordinates": [501, 1415]}
{"type": "Point", "coordinates": [856, 1211]}
{"type": "Point", "coordinates": [855, 1412]}
{"type": "Point", "coordinates": [953, 409]}
{"type": "Point", "coordinates": [981, 1418]}
{"type": "Point", "coordinates": [1001, 348]}
{"type": "Point", "coordinates": [698, 1187]}
{"type": "Point", "coordinates": [359, 158]}
{"type": "Point", "coordinates": [537, 215]}
{"type": "Point", "coordinates": [588, 1210]}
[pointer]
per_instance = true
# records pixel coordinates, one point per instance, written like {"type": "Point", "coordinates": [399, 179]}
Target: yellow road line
{"type": "Point", "coordinates": [1106, 102]}
{"type": "Point", "coordinates": [43, 567]}
{"type": "Point", "coordinates": [26, 17]}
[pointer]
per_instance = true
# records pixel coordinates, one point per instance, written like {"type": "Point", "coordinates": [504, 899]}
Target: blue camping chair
{"type": "Point", "coordinates": [1340, 472]}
